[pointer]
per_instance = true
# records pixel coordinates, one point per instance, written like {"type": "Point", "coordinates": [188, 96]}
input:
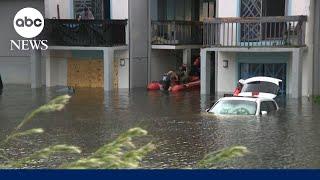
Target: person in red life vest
{"type": "Point", "coordinates": [239, 87]}
{"type": "Point", "coordinates": [195, 69]}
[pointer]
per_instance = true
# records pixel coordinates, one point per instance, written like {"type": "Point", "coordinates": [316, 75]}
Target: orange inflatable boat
{"type": "Point", "coordinates": [193, 84]}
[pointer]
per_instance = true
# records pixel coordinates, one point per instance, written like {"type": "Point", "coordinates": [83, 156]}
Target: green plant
{"type": "Point", "coordinates": [118, 154]}
{"type": "Point", "coordinates": [121, 153]}
{"type": "Point", "coordinates": [317, 99]}
{"type": "Point", "coordinates": [212, 159]}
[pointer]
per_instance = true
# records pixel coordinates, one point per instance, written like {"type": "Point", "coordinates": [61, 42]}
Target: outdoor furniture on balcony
{"type": "Point", "coordinates": [176, 33]}
{"type": "Point", "coordinates": [279, 31]}
{"type": "Point", "coordinates": [94, 33]}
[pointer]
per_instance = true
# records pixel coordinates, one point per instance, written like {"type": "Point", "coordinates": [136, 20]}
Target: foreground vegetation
{"type": "Point", "coordinates": [118, 154]}
{"type": "Point", "coordinates": [317, 99]}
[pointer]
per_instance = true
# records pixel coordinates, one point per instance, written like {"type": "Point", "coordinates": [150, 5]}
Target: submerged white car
{"type": "Point", "coordinates": [244, 106]}
{"type": "Point", "coordinates": [256, 98]}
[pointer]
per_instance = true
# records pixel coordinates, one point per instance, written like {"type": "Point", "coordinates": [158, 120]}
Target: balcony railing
{"type": "Point", "coordinates": [255, 32]}
{"type": "Point", "coordinates": [176, 33]}
{"type": "Point", "coordinates": [98, 33]}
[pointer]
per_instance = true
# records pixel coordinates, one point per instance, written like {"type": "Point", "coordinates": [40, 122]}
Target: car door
{"type": "Point", "coordinates": [264, 107]}
{"type": "Point", "coordinates": [268, 106]}
{"type": "Point", "coordinates": [272, 106]}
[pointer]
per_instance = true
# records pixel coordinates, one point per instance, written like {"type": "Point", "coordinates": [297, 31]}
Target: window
{"type": "Point", "coordinates": [209, 9]}
{"type": "Point", "coordinates": [234, 107]}
{"type": "Point", "coordinates": [273, 7]}
{"type": "Point", "coordinates": [184, 10]}
{"type": "Point", "coordinates": [261, 87]}
{"type": "Point", "coordinates": [99, 8]}
{"type": "Point", "coordinates": [260, 8]}
{"type": "Point", "coordinates": [268, 106]}
{"type": "Point", "coordinates": [264, 107]}
{"type": "Point", "coordinates": [272, 106]}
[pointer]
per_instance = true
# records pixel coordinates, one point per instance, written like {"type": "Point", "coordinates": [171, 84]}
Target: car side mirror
{"type": "Point", "coordinates": [263, 113]}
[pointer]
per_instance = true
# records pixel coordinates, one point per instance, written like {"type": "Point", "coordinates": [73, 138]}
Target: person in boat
{"type": "Point", "coordinates": [168, 80]}
{"type": "Point", "coordinates": [239, 87]}
{"type": "Point", "coordinates": [182, 74]}
{"type": "Point", "coordinates": [1, 85]}
{"type": "Point", "coordinates": [195, 69]}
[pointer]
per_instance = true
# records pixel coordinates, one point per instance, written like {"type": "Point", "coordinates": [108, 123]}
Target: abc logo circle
{"type": "Point", "coordinates": [28, 22]}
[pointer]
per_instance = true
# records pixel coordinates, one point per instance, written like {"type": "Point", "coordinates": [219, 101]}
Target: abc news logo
{"type": "Point", "coordinates": [28, 23]}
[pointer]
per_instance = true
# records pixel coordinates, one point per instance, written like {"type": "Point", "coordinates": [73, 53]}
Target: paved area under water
{"type": "Point", "coordinates": [176, 123]}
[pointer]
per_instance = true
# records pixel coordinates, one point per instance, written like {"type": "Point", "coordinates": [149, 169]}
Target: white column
{"type": "Point", "coordinates": [187, 58]}
{"type": "Point", "coordinates": [48, 68]}
{"type": "Point", "coordinates": [108, 58]}
{"type": "Point", "coordinates": [296, 74]}
{"type": "Point", "coordinates": [35, 61]}
{"type": "Point", "coordinates": [205, 71]}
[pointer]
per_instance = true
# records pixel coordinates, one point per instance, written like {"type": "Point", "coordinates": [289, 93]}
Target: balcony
{"type": "Point", "coordinates": [255, 32]}
{"type": "Point", "coordinates": [176, 33]}
{"type": "Point", "coordinates": [89, 33]}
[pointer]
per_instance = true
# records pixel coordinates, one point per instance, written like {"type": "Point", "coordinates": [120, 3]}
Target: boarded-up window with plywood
{"type": "Point", "coordinates": [85, 73]}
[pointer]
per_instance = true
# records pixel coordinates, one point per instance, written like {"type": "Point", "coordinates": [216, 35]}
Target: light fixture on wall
{"type": "Point", "coordinates": [225, 63]}
{"type": "Point", "coordinates": [122, 62]}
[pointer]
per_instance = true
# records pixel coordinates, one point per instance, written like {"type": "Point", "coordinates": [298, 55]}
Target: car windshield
{"type": "Point", "coordinates": [234, 107]}
{"type": "Point", "coordinates": [260, 86]}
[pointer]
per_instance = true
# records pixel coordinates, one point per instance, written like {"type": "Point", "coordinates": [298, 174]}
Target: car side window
{"type": "Point", "coordinates": [272, 106]}
{"type": "Point", "coordinates": [264, 107]}
{"type": "Point", "coordinates": [268, 106]}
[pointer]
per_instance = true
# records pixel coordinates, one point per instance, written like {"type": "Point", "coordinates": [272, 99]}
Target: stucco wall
{"type": "Point", "coordinates": [226, 76]}
{"type": "Point", "coordinates": [295, 7]}
{"type": "Point", "coordinates": [59, 71]}
{"type": "Point", "coordinates": [119, 9]}
{"type": "Point", "coordinates": [232, 9]}
{"type": "Point", "coordinates": [316, 58]}
{"type": "Point", "coordinates": [162, 61]}
{"type": "Point", "coordinates": [123, 72]}
{"type": "Point", "coordinates": [305, 7]}
{"type": "Point", "coordinates": [59, 65]}
{"type": "Point", "coordinates": [15, 70]}
{"type": "Point", "coordinates": [65, 8]}
{"type": "Point", "coordinates": [14, 65]}
{"type": "Point", "coordinates": [138, 42]}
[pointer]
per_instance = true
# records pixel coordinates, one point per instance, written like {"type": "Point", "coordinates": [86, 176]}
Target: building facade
{"type": "Point", "coordinates": [132, 42]}
{"type": "Point", "coordinates": [260, 38]}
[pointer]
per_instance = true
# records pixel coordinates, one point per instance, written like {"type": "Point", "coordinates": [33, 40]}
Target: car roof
{"type": "Point", "coordinates": [239, 98]}
{"type": "Point", "coordinates": [264, 79]}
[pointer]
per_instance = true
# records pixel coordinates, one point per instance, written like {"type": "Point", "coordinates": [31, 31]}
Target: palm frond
{"type": "Point", "coordinates": [121, 153]}
{"type": "Point", "coordinates": [25, 133]}
{"type": "Point", "coordinates": [211, 159]}
{"type": "Point", "coordinates": [43, 154]}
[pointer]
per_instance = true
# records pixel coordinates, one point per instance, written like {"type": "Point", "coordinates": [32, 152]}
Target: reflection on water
{"type": "Point", "coordinates": [176, 123]}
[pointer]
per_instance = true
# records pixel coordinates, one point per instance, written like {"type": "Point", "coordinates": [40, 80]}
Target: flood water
{"type": "Point", "coordinates": [176, 123]}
